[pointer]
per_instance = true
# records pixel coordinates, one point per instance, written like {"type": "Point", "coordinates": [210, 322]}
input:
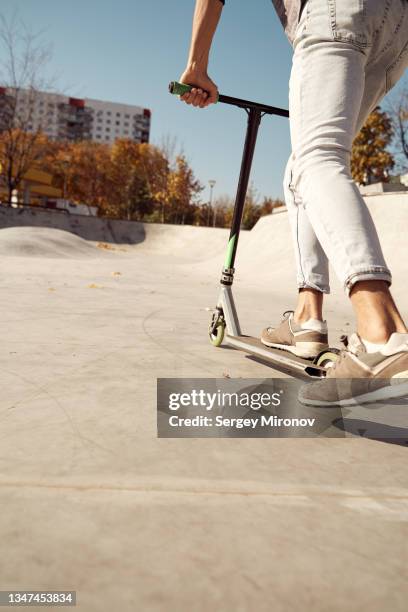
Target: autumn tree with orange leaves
{"type": "Point", "coordinates": [24, 57]}
{"type": "Point", "coordinates": [370, 159]}
{"type": "Point", "coordinates": [126, 180]}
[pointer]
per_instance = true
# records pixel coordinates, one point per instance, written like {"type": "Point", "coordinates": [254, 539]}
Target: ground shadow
{"type": "Point", "coordinates": [374, 431]}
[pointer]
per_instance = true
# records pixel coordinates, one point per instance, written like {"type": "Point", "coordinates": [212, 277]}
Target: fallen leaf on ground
{"type": "Point", "coordinates": [104, 245]}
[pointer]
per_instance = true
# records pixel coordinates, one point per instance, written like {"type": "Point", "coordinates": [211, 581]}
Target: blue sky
{"type": "Point", "coordinates": [128, 50]}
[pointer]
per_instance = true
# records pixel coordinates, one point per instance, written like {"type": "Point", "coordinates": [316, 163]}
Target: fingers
{"type": "Point", "coordinates": [196, 97]}
{"type": "Point", "coordinates": [212, 97]}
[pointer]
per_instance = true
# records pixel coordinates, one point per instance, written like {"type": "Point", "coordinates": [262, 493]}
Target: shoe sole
{"type": "Point", "coordinates": [309, 350]}
{"type": "Point", "coordinates": [390, 392]}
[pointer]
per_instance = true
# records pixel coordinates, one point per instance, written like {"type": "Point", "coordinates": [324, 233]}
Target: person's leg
{"type": "Point", "coordinates": [309, 305]}
{"type": "Point", "coordinates": [303, 331]}
{"type": "Point", "coordinates": [326, 96]}
{"type": "Point", "coordinates": [312, 267]}
{"type": "Point", "coordinates": [376, 312]}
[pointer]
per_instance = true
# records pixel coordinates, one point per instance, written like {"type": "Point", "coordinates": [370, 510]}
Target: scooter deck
{"type": "Point", "coordinates": [279, 357]}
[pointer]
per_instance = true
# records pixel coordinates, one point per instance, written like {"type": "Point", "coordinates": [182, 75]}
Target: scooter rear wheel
{"type": "Point", "coordinates": [326, 358]}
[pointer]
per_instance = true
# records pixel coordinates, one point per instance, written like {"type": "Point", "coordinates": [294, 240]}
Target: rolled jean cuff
{"type": "Point", "coordinates": [315, 283]}
{"type": "Point", "coordinates": [372, 273]}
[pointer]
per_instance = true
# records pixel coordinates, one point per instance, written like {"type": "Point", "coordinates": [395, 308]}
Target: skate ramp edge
{"type": "Point", "coordinates": [46, 242]}
{"type": "Point", "coordinates": [184, 241]}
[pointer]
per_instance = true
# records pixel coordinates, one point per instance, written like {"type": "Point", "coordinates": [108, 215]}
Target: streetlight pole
{"type": "Point", "coordinates": [211, 184]}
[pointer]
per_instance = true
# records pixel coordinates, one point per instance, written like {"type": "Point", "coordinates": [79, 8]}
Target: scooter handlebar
{"type": "Point", "coordinates": [179, 89]}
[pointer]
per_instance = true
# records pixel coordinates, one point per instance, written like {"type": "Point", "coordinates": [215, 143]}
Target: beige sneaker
{"type": "Point", "coordinates": [358, 377]}
{"type": "Point", "coordinates": [305, 340]}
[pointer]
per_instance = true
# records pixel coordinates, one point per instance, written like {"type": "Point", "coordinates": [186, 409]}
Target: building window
{"type": "Point", "coordinates": [108, 129]}
{"type": "Point", "coordinates": [108, 121]}
{"type": "Point", "coordinates": [117, 122]}
{"type": "Point", "coordinates": [126, 124]}
{"type": "Point", "coordinates": [108, 113]}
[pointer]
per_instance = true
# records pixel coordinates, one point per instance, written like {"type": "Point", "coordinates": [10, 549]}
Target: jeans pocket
{"type": "Point", "coordinates": [395, 71]}
{"type": "Point", "coordinates": [348, 23]}
{"type": "Point", "coordinates": [301, 21]}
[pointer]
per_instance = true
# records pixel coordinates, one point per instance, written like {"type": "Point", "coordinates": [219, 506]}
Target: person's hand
{"type": "Point", "coordinates": [204, 92]}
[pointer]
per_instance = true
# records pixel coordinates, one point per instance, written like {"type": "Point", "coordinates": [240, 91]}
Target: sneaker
{"type": "Point", "coordinates": [304, 340]}
{"type": "Point", "coordinates": [358, 377]}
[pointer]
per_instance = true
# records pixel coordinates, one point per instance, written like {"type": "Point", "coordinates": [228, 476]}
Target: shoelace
{"type": "Point", "coordinates": [285, 316]}
{"type": "Point", "coordinates": [347, 349]}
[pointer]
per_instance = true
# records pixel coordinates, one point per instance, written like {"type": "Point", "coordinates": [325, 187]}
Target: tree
{"type": "Point", "coordinates": [251, 208]}
{"type": "Point", "coordinates": [370, 160]}
{"type": "Point", "coordinates": [82, 168]}
{"type": "Point", "coordinates": [222, 210]}
{"type": "Point", "coordinates": [269, 205]}
{"type": "Point", "coordinates": [398, 111]}
{"type": "Point", "coordinates": [182, 191]}
{"type": "Point", "coordinates": [22, 78]}
{"type": "Point", "coordinates": [139, 174]}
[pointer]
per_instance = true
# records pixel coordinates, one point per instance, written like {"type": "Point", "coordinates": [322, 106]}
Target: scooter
{"type": "Point", "coordinates": [224, 323]}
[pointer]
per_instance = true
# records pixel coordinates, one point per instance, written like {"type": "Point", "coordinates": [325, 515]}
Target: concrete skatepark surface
{"type": "Point", "coordinates": [93, 501]}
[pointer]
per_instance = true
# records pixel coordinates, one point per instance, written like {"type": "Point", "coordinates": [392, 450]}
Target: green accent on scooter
{"type": "Point", "coordinates": [230, 249]}
{"type": "Point", "coordinates": [224, 320]}
{"type": "Point", "coordinates": [179, 89]}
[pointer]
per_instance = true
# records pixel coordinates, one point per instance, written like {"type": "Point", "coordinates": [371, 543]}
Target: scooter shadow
{"type": "Point", "coordinates": [279, 368]}
{"type": "Point", "coordinates": [380, 432]}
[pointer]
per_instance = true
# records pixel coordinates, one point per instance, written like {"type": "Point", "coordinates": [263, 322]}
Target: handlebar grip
{"type": "Point", "coordinates": [179, 89]}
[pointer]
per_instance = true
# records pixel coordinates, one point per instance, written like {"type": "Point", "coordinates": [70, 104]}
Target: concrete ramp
{"type": "Point", "coordinates": [265, 255]}
{"type": "Point", "coordinates": [184, 242]}
{"type": "Point", "coordinates": [45, 242]}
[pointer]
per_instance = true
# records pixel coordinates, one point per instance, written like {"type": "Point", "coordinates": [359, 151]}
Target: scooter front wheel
{"type": "Point", "coordinates": [216, 328]}
{"type": "Point", "coordinates": [217, 334]}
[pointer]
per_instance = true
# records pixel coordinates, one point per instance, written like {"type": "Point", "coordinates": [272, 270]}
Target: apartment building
{"type": "Point", "coordinates": [72, 119]}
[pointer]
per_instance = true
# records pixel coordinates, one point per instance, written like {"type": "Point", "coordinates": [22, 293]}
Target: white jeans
{"type": "Point", "coordinates": [347, 55]}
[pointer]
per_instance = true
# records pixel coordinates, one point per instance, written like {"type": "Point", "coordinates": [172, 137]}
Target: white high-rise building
{"type": "Point", "coordinates": [71, 119]}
